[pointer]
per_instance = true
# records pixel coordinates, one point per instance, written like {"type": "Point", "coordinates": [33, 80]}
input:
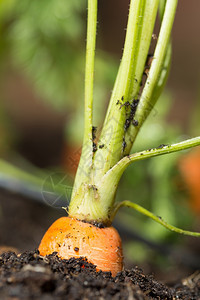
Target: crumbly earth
{"type": "Point", "coordinates": [31, 276]}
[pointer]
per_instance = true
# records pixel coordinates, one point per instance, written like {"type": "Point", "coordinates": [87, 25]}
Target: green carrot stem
{"type": "Point", "coordinates": [87, 153]}
{"type": "Point", "coordinates": [160, 150]}
{"type": "Point", "coordinates": [154, 217]}
{"type": "Point", "coordinates": [142, 15]}
{"type": "Point", "coordinates": [158, 72]}
{"type": "Point", "coordinates": [89, 67]}
{"type": "Point", "coordinates": [115, 173]}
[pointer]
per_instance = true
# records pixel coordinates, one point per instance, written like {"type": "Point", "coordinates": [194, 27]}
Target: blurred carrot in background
{"type": "Point", "coordinates": [189, 166]}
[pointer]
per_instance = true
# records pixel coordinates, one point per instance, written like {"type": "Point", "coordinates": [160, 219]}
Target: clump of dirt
{"type": "Point", "coordinates": [31, 276]}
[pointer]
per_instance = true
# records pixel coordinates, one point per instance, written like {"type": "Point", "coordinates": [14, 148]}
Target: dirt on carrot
{"type": "Point", "coordinates": [72, 238]}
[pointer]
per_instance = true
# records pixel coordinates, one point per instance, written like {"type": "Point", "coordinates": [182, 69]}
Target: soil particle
{"type": "Point", "coordinates": [161, 146]}
{"type": "Point", "coordinates": [31, 276]}
{"type": "Point", "coordinates": [135, 122]}
{"type": "Point", "coordinates": [127, 124]}
{"type": "Point", "coordinates": [123, 144]}
{"type": "Point", "coordinates": [94, 131]}
{"type": "Point", "coordinates": [130, 119]}
{"type": "Point", "coordinates": [94, 147]}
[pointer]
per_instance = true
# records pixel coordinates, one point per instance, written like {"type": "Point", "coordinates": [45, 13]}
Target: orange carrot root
{"type": "Point", "coordinates": [72, 238]}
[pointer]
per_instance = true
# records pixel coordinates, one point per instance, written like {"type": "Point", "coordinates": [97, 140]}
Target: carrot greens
{"type": "Point", "coordinates": [105, 158]}
{"type": "Point", "coordinates": [141, 77]}
{"type": "Point", "coordinates": [87, 230]}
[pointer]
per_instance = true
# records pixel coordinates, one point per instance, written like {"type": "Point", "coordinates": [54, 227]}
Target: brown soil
{"type": "Point", "coordinates": [30, 276]}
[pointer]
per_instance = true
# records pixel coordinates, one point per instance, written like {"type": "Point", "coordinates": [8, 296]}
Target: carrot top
{"type": "Point", "coordinates": [105, 157]}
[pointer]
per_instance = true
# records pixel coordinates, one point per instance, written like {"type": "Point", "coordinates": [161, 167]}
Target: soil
{"type": "Point", "coordinates": [31, 276]}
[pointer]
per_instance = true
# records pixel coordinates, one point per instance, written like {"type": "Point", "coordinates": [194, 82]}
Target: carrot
{"type": "Point", "coordinates": [189, 166]}
{"type": "Point", "coordinates": [103, 161]}
{"type": "Point", "coordinates": [72, 238]}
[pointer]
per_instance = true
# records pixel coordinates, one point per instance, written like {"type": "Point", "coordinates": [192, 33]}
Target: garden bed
{"type": "Point", "coordinates": [31, 276]}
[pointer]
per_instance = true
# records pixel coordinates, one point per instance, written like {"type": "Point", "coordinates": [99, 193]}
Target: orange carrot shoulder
{"type": "Point", "coordinates": [72, 238]}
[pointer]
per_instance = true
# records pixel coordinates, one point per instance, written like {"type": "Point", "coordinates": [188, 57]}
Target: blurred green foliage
{"type": "Point", "coordinates": [46, 40]}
